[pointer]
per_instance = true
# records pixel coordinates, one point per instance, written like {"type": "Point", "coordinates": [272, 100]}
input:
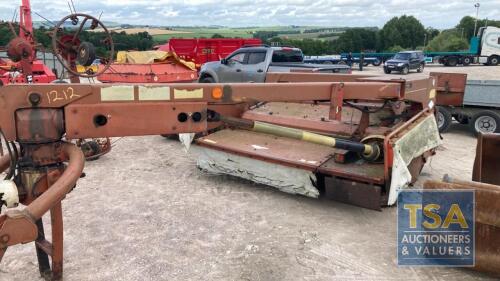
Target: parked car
{"type": "Point", "coordinates": [250, 64]}
{"type": "Point", "coordinates": [403, 62]}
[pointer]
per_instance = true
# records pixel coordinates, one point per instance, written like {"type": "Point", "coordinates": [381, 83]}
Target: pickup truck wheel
{"type": "Point", "coordinates": [405, 70]}
{"type": "Point", "coordinates": [485, 122]}
{"type": "Point", "coordinates": [467, 61]}
{"type": "Point", "coordinates": [493, 60]}
{"type": "Point", "coordinates": [420, 68]}
{"type": "Point", "coordinates": [342, 62]}
{"type": "Point", "coordinates": [207, 79]}
{"type": "Point", "coordinates": [387, 71]}
{"type": "Point", "coordinates": [443, 118]}
{"type": "Point", "coordinates": [452, 61]}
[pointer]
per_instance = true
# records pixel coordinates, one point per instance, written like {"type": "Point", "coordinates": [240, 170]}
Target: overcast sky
{"type": "Point", "coordinates": [436, 13]}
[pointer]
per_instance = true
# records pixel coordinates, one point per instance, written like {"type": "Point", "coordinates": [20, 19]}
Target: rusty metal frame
{"type": "Point", "coordinates": [33, 116]}
{"type": "Point", "coordinates": [487, 221]}
{"type": "Point", "coordinates": [13, 97]}
{"type": "Point", "coordinates": [487, 162]}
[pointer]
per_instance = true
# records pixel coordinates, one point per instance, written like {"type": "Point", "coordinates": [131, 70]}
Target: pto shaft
{"type": "Point", "coordinates": [369, 152]}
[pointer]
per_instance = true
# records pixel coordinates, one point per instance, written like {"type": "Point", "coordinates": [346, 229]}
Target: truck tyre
{"type": "Point", "coordinates": [493, 60]}
{"type": "Point", "coordinates": [485, 122]}
{"type": "Point", "coordinates": [387, 71]}
{"type": "Point", "coordinates": [207, 79]}
{"type": "Point", "coordinates": [420, 68]}
{"type": "Point", "coordinates": [342, 62]}
{"type": "Point", "coordinates": [467, 61]}
{"type": "Point", "coordinates": [452, 61]}
{"type": "Point", "coordinates": [405, 70]}
{"type": "Point", "coordinates": [377, 62]}
{"type": "Point", "coordinates": [443, 118]}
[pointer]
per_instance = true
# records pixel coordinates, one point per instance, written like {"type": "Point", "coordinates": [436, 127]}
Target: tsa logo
{"type": "Point", "coordinates": [436, 228]}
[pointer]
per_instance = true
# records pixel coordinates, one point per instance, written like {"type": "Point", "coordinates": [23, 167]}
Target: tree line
{"type": "Point", "coordinates": [122, 41]}
{"type": "Point", "coordinates": [399, 33]}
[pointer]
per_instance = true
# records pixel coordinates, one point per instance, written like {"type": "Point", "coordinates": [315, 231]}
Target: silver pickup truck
{"type": "Point", "coordinates": [250, 64]}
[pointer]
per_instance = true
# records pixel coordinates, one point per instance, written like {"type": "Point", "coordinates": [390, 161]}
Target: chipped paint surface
{"type": "Point", "coordinates": [117, 93]}
{"type": "Point", "coordinates": [154, 93]}
{"type": "Point", "coordinates": [188, 94]}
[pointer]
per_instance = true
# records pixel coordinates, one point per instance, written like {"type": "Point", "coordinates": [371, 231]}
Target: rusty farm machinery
{"type": "Point", "coordinates": [353, 138]}
{"type": "Point", "coordinates": [23, 66]}
{"type": "Point", "coordinates": [364, 162]}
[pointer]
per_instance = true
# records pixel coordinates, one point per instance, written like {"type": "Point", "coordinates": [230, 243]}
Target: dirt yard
{"type": "Point", "coordinates": [144, 212]}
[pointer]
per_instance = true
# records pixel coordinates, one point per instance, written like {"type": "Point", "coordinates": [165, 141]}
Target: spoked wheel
{"type": "Point", "coordinates": [70, 49]}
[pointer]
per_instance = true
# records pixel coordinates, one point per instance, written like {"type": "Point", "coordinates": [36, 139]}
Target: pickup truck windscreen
{"type": "Point", "coordinates": [287, 56]}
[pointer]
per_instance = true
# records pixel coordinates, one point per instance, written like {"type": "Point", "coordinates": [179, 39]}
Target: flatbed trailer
{"type": "Point", "coordinates": [472, 102]}
{"type": "Point", "coordinates": [339, 59]}
{"type": "Point", "coordinates": [484, 49]}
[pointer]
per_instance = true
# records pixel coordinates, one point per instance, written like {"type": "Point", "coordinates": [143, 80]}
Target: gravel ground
{"type": "Point", "coordinates": [144, 212]}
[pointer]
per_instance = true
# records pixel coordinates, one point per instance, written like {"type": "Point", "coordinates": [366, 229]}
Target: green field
{"type": "Point", "coordinates": [246, 32]}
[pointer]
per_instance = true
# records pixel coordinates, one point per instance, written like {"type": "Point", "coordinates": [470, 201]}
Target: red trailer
{"type": "Point", "coordinates": [201, 51]}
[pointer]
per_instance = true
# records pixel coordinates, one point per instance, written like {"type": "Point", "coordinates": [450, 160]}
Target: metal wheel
{"type": "Point", "coordinates": [69, 49]}
{"type": "Point", "coordinates": [486, 122]}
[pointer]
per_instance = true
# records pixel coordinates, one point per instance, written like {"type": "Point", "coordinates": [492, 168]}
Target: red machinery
{"type": "Point", "coordinates": [201, 51]}
{"type": "Point", "coordinates": [361, 167]}
{"type": "Point", "coordinates": [171, 70]}
{"type": "Point", "coordinates": [168, 71]}
{"type": "Point", "coordinates": [23, 66]}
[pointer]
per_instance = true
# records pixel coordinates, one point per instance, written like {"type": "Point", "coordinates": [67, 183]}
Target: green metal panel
{"type": "Point", "coordinates": [474, 45]}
